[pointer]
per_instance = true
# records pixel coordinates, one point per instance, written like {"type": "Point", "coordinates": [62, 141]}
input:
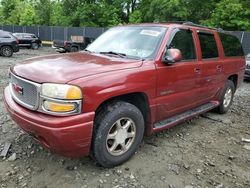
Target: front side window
{"type": "Point", "coordinates": [231, 45]}
{"type": "Point", "coordinates": [133, 41]}
{"type": "Point", "coordinates": [183, 40]}
{"type": "Point", "coordinates": [208, 45]}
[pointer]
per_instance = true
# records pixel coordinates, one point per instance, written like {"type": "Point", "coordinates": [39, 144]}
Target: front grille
{"type": "Point", "coordinates": [24, 92]}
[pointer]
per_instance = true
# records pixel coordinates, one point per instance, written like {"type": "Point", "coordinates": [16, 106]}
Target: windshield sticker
{"type": "Point", "coordinates": [150, 33]}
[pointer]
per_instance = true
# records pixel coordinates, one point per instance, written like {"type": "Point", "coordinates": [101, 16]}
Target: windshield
{"type": "Point", "coordinates": [130, 41]}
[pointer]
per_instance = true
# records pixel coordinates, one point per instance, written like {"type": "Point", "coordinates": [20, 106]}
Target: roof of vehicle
{"type": "Point", "coordinates": [6, 32]}
{"type": "Point", "coordinates": [25, 33]}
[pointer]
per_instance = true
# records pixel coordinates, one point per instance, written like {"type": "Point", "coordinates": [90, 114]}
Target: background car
{"type": "Point", "coordinates": [28, 40]}
{"type": "Point", "coordinates": [247, 72]}
{"type": "Point", "coordinates": [8, 44]}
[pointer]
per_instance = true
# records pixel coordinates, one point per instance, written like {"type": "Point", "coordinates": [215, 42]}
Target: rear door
{"type": "Point", "coordinates": [176, 84]}
{"type": "Point", "coordinates": [212, 76]}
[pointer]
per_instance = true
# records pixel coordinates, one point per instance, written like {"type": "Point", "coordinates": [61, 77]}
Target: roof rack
{"type": "Point", "coordinates": [193, 24]}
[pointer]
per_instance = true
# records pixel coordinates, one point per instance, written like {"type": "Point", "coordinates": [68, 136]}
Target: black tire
{"type": "Point", "coordinates": [104, 121]}
{"type": "Point", "coordinates": [6, 51]}
{"type": "Point", "coordinates": [224, 107]}
{"type": "Point", "coordinates": [73, 49]}
{"type": "Point", "coordinates": [34, 46]}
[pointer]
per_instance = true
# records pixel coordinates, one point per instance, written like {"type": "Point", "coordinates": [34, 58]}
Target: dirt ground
{"type": "Point", "coordinates": [205, 152]}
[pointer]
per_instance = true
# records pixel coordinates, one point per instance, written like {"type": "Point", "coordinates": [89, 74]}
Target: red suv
{"type": "Point", "coordinates": [132, 80]}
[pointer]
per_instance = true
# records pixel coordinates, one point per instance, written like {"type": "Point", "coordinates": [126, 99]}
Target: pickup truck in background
{"type": "Point", "coordinates": [76, 44]}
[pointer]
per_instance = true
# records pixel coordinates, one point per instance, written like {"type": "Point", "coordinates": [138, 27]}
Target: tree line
{"type": "Point", "coordinates": [226, 14]}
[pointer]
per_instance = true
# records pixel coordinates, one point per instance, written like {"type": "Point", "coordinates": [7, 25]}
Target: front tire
{"type": "Point", "coordinates": [73, 49]}
{"type": "Point", "coordinates": [6, 51]}
{"type": "Point", "coordinates": [226, 97]}
{"type": "Point", "coordinates": [118, 132]}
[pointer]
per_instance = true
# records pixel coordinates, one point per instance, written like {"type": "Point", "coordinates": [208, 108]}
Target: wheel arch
{"type": "Point", "coordinates": [139, 99]}
{"type": "Point", "coordinates": [234, 79]}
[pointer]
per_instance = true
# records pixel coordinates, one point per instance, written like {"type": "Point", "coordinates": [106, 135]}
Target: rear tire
{"type": "Point", "coordinates": [226, 97]}
{"type": "Point", "coordinates": [34, 46]}
{"type": "Point", "coordinates": [6, 51]}
{"type": "Point", "coordinates": [73, 49]}
{"type": "Point", "coordinates": [118, 132]}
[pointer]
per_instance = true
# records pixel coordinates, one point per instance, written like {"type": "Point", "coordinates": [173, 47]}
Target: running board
{"type": "Point", "coordinates": [172, 121]}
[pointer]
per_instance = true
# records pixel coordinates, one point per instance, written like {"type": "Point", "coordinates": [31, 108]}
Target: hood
{"type": "Point", "coordinates": [67, 67]}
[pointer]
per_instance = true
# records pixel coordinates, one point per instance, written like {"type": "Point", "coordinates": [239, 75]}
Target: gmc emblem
{"type": "Point", "coordinates": [17, 88]}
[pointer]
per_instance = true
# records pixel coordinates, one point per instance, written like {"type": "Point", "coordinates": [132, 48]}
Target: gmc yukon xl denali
{"type": "Point", "coordinates": [132, 80]}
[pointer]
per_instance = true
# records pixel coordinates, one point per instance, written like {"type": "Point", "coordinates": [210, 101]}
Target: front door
{"type": "Point", "coordinates": [176, 84]}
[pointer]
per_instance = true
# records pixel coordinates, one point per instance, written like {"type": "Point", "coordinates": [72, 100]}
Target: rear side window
{"type": "Point", "coordinates": [183, 40]}
{"type": "Point", "coordinates": [231, 45]}
{"type": "Point", "coordinates": [208, 45]}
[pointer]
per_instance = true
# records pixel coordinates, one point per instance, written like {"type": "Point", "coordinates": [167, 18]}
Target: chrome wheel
{"type": "Point", "coordinates": [228, 97]}
{"type": "Point", "coordinates": [6, 51]}
{"type": "Point", "coordinates": [121, 136]}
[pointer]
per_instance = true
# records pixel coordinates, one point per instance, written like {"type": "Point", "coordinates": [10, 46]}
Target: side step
{"type": "Point", "coordinates": [172, 121]}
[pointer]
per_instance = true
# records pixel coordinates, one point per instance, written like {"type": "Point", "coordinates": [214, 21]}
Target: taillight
{"type": "Point", "coordinates": [65, 43]}
{"type": "Point", "coordinates": [17, 41]}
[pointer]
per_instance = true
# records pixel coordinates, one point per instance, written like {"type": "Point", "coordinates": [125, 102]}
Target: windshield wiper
{"type": "Point", "coordinates": [114, 53]}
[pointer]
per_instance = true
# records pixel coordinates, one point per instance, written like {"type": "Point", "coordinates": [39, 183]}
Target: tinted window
{"type": "Point", "coordinates": [183, 40]}
{"type": "Point", "coordinates": [231, 45]}
{"type": "Point", "coordinates": [27, 36]}
{"type": "Point", "coordinates": [208, 45]}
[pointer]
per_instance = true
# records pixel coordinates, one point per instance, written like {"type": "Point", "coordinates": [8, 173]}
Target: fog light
{"type": "Point", "coordinates": [58, 107]}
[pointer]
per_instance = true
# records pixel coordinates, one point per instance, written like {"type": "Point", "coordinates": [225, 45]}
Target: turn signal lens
{"type": "Point", "coordinates": [74, 93]}
{"type": "Point", "coordinates": [58, 107]}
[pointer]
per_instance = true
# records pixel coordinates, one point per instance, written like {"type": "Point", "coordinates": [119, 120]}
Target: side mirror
{"type": "Point", "coordinates": [171, 56]}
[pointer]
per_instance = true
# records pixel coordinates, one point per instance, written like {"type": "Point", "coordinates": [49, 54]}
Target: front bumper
{"type": "Point", "coordinates": [69, 136]}
{"type": "Point", "coordinates": [247, 74]}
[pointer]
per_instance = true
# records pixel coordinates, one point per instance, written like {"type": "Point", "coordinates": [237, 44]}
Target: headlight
{"type": "Point", "coordinates": [61, 99]}
{"type": "Point", "coordinates": [61, 91]}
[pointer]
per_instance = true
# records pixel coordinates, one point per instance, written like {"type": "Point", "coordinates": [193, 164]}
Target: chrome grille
{"type": "Point", "coordinates": [24, 92]}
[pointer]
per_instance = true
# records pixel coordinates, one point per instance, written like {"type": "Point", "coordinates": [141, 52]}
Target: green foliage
{"type": "Point", "coordinates": [227, 14]}
{"type": "Point", "coordinates": [230, 15]}
{"type": "Point", "coordinates": [28, 15]}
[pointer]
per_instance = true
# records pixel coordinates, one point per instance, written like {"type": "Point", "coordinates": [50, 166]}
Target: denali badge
{"type": "Point", "coordinates": [17, 88]}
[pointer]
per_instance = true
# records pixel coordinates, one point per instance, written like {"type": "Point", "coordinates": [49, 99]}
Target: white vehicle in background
{"type": "Point", "coordinates": [247, 72]}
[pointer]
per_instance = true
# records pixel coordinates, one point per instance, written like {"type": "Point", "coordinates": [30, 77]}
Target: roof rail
{"type": "Point", "coordinates": [192, 24]}
{"type": "Point", "coordinates": [197, 25]}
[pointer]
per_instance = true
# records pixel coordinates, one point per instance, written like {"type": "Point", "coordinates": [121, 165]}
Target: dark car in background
{"type": "Point", "coordinates": [8, 44]}
{"type": "Point", "coordinates": [247, 72]}
{"type": "Point", "coordinates": [28, 40]}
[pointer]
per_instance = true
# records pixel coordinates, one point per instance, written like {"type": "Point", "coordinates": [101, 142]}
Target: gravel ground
{"type": "Point", "coordinates": [205, 152]}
